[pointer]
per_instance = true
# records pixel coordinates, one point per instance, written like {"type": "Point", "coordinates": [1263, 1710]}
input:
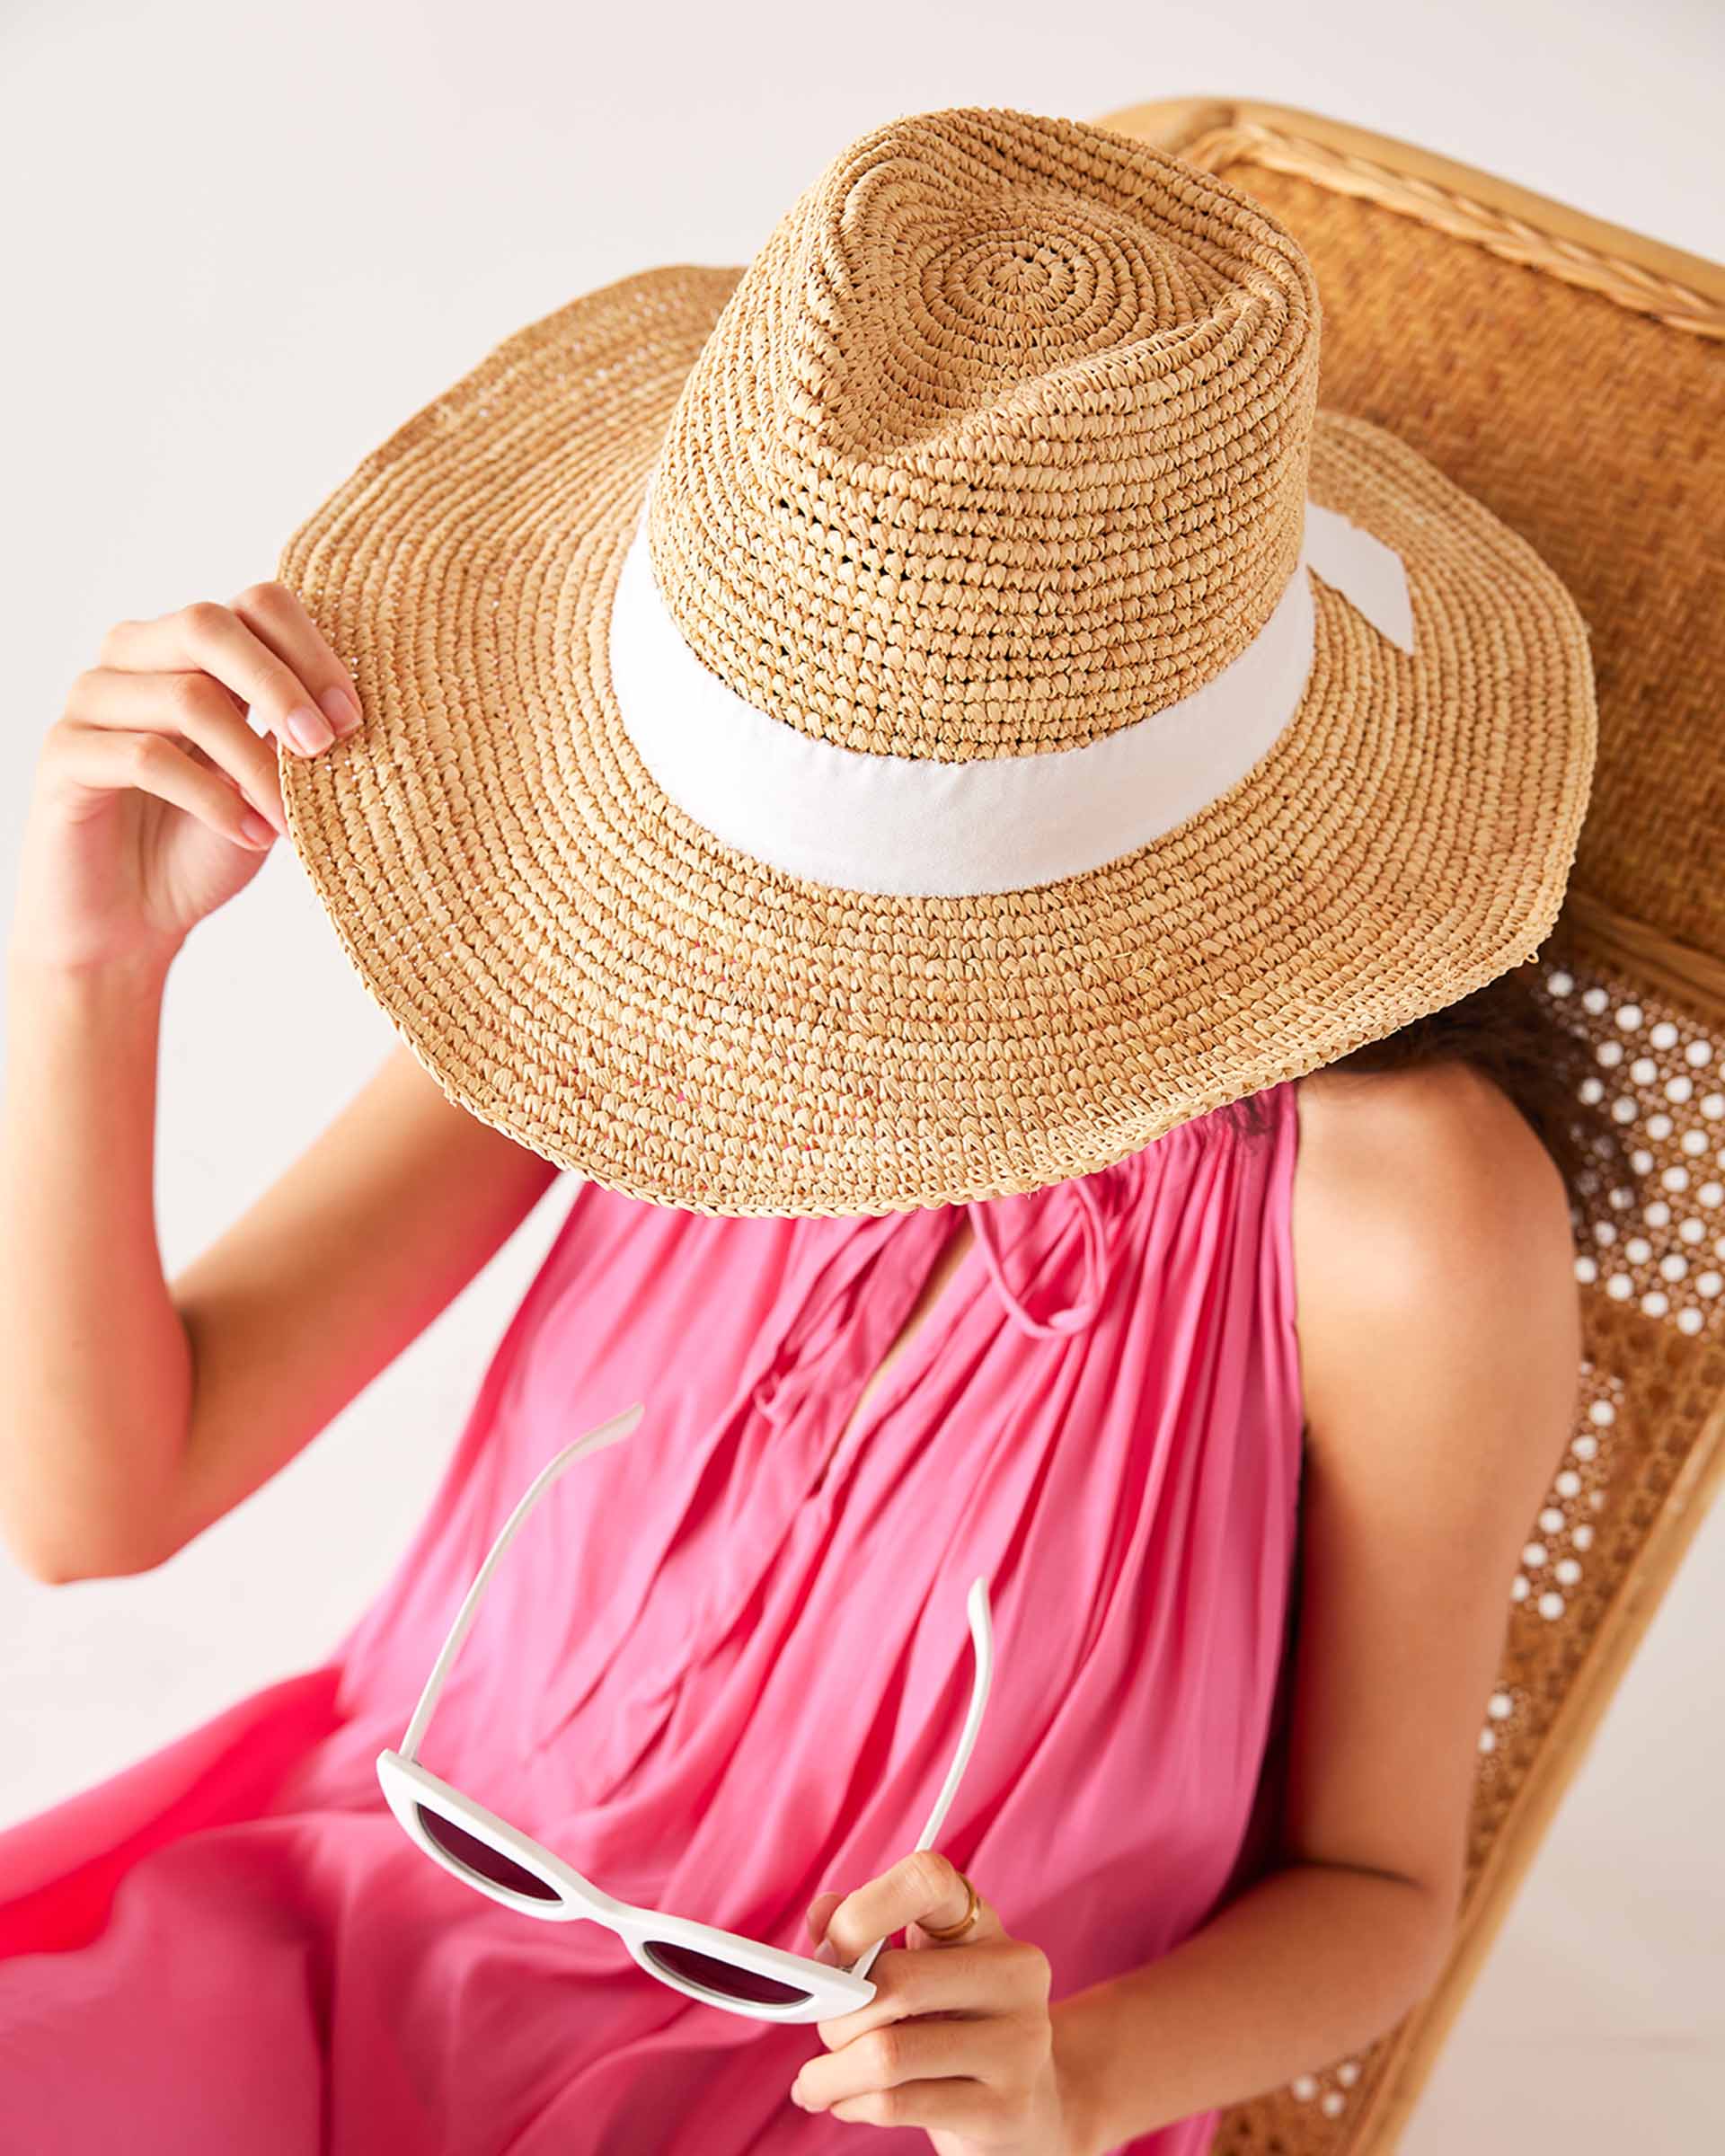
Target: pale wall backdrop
{"type": "Point", "coordinates": [241, 246]}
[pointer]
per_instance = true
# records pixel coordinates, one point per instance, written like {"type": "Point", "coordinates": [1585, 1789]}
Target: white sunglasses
{"type": "Point", "coordinates": [740, 1975]}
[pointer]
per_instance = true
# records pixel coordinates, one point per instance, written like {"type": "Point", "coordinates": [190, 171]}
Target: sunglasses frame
{"type": "Point", "coordinates": [406, 1784]}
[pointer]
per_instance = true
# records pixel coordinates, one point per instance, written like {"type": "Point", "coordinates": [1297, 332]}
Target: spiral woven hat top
{"type": "Point", "coordinates": [918, 717]}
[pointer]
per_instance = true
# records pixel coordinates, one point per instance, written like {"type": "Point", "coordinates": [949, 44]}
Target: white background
{"type": "Point", "coordinates": [242, 246]}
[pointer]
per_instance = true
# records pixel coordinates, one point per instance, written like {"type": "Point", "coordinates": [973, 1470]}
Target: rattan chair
{"type": "Point", "coordinates": [1590, 416]}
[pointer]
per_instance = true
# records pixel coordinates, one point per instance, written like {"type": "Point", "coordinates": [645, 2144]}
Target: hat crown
{"type": "Point", "coordinates": [999, 444]}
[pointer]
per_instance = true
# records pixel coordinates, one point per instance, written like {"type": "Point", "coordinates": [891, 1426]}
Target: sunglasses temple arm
{"type": "Point", "coordinates": [605, 1433]}
{"type": "Point", "coordinates": [983, 1639]}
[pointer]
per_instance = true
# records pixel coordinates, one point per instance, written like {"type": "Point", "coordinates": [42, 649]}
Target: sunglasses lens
{"type": "Point", "coordinates": [476, 1856]}
{"type": "Point", "coordinates": [724, 1975]}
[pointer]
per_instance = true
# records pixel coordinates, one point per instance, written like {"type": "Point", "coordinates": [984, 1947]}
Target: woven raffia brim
{"type": "Point", "coordinates": [581, 966]}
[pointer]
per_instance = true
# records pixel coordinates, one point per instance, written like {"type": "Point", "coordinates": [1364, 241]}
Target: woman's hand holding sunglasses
{"type": "Point", "coordinates": [957, 2039]}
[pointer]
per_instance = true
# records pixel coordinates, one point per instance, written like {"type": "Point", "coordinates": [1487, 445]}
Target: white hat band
{"type": "Point", "coordinates": [919, 826]}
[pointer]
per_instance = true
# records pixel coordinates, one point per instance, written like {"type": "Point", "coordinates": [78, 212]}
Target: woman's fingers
{"type": "Point", "coordinates": [988, 2049]}
{"type": "Point", "coordinates": [958, 2036]}
{"type": "Point", "coordinates": [265, 649]}
{"type": "Point", "coordinates": [993, 1978]}
{"type": "Point", "coordinates": [925, 1884]}
{"type": "Point", "coordinates": [968, 2112]}
{"type": "Point", "coordinates": [106, 760]}
{"type": "Point", "coordinates": [819, 1911]}
{"type": "Point", "coordinates": [195, 706]}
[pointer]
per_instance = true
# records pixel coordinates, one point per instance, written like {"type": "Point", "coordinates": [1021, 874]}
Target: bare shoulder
{"type": "Point", "coordinates": [1426, 1209]}
{"type": "Point", "coordinates": [1448, 1122]}
{"type": "Point", "coordinates": [1439, 1333]}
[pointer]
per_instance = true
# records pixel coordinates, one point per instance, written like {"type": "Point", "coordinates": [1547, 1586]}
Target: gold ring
{"type": "Point", "coordinates": [964, 1923]}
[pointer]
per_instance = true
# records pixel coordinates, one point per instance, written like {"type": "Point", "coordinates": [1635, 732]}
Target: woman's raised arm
{"type": "Point", "coordinates": [133, 1412]}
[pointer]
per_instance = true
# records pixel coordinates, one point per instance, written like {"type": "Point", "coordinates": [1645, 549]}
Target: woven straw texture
{"type": "Point", "coordinates": [1588, 414]}
{"type": "Point", "coordinates": [998, 444]}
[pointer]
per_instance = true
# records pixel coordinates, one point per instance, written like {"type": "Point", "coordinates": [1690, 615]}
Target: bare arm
{"type": "Point", "coordinates": [341, 1262]}
{"type": "Point", "coordinates": [137, 1411]}
{"type": "Point", "coordinates": [132, 1414]}
{"type": "Point", "coordinates": [1440, 1333]}
{"type": "Point", "coordinates": [98, 1376]}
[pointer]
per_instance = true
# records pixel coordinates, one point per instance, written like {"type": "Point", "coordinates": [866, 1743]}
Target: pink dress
{"type": "Point", "coordinates": [722, 1667]}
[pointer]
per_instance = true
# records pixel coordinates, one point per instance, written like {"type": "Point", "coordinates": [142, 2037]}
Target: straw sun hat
{"type": "Point", "coordinates": [918, 717]}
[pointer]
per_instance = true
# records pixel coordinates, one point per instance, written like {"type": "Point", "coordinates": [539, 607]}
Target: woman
{"type": "Point", "coordinates": [956, 877]}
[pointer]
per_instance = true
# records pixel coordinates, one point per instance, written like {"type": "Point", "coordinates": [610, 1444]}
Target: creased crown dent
{"type": "Point", "coordinates": [1000, 444]}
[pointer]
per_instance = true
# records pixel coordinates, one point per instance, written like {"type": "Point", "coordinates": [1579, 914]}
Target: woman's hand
{"type": "Point", "coordinates": [155, 801]}
{"type": "Point", "coordinates": [958, 2038]}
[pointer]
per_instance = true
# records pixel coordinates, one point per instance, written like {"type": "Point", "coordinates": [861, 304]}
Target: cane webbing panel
{"type": "Point", "coordinates": [1572, 375]}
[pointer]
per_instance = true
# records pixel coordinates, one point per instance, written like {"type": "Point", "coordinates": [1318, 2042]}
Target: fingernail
{"type": "Point", "coordinates": [260, 833]}
{"type": "Point", "coordinates": [342, 711]}
{"type": "Point", "coordinates": [307, 732]}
